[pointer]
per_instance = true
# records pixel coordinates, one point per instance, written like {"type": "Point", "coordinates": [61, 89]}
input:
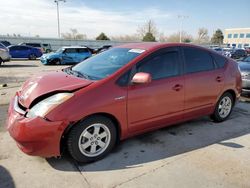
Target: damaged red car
{"type": "Point", "coordinates": [122, 92]}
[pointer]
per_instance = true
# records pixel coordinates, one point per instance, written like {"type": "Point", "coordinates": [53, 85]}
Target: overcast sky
{"type": "Point", "coordinates": [119, 17]}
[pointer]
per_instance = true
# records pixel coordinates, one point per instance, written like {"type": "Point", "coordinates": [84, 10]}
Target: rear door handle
{"type": "Point", "coordinates": [218, 78]}
{"type": "Point", "coordinates": [177, 87]}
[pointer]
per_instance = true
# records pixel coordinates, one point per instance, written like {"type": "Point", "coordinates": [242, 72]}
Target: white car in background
{"type": "Point", "coordinates": [4, 54]}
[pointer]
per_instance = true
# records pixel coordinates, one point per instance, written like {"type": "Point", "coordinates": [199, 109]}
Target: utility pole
{"type": "Point", "coordinates": [181, 17]}
{"type": "Point", "coordinates": [58, 16]}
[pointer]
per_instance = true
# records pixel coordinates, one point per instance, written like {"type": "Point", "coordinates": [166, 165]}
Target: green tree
{"type": "Point", "coordinates": [149, 37]}
{"type": "Point", "coordinates": [217, 37]}
{"type": "Point", "coordinates": [102, 36]}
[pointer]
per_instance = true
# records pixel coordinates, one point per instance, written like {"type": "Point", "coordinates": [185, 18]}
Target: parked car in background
{"type": "Point", "coordinates": [238, 53]}
{"type": "Point", "coordinates": [244, 66]}
{"type": "Point", "coordinates": [219, 50]}
{"type": "Point", "coordinates": [4, 54]}
{"type": "Point", "coordinates": [122, 92]}
{"type": "Point", "coordinates": [47, 48]}
{"type": "Point", "coordinates": [5, 43]}
{"type": "Point", "coordinates": [66, 55]}
{"type": "Point", "coordinates": [103, 48]}
{"type": "Point", "coordinates": [247, 50]}
{"type": "Point", "coordinates": [19, 51]}
{"type": "Point", "coordinates": [35, 45]}
{"type": "Point", "coordinates": [227, 52]}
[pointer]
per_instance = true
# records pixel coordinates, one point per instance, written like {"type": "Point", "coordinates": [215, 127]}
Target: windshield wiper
{"type": "Point", "coordinates": [81, 75]}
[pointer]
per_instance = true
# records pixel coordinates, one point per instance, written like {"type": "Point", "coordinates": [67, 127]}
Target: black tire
{"type": "Point", "coordinates": [1, 61]}
{"type": "Point", "coordinates": [219, 117]}
{"type": "Point", "coordinates": [32, 57]}
{"type": "Point", "coordinates": [56, 62]}
{"type": "Point", "coordinates": [75, 136]}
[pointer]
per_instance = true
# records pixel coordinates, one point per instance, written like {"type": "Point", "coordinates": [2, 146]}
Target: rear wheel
{"type": "Point", "coordinates": [91, 139]}
{"type": "Point", "coordinates": [32, 57]}
{"type": "Point", "coordinates": [223, 108]}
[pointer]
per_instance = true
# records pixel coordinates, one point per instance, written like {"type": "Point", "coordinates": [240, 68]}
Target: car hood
{"type": "Point", "coordinates": [51, 55]}
{"type": "Point", "coordinates": [244, 66]}
{"type": "Point", "coordinates": [45, 84]}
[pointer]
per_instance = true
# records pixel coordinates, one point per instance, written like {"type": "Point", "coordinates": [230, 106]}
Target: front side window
{"type": "Point", "coordinates": [104, 64]}
{"type": "Point", "coordinates": [248, 35]}
{"type": "Point", "coordinates": [161, 66]}
{"type": "Point", "coordinates": [70, 51]}
{"type": "Point", "coordinates": [229, 36]}
{"type": "Point", "coordinates": [197, 60]}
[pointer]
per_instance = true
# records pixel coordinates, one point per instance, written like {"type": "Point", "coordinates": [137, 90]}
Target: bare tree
{"type": "Point", "coordinates": [129, 38]}
{"type": "Point", "coordinates": [74, 35]}
{"type": "Point", "coordinates": [162, 37]}
{"type": "Point", "coordinates": [148, 27]}
{"type": "Point", "coordinates": [203, 35]}
{"type": "Point", "coordinates": [175, 37]}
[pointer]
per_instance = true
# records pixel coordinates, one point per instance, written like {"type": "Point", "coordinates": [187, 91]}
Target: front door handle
{"type": "Point", "coordinates": [218, 78]}
{"type": "Point", "coordinates": [177, 87]}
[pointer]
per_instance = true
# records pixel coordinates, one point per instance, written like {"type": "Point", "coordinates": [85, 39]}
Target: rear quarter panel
{"type": "Point", "coordinates": [232, 79]}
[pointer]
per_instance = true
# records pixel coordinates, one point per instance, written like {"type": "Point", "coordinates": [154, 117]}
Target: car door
{"type": "Point", "coordinates": [14, 51]}
{"type": "Point", "coordinates": [24, 52]}
{"type": "Point", "coordinates": [69, 55]}
{"type": "Point", "coordinates": [82, 54]}
{"type": "Point", "coordinates": [203, 82]}
{"type": "Point", "coordinates": [160, 102]}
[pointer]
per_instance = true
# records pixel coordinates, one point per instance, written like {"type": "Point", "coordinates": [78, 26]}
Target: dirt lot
{"type": "Point", "coordinates": [198, 153]}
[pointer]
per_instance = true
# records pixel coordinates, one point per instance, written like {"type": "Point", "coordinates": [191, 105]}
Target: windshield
{"type": "Point", "coordinates": [106, 63]}
{"type": "Point", "coordinates": [60, 50]}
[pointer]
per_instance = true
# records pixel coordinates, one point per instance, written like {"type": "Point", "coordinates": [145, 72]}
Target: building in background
{"type": "Point", "coordinates": [237, 37]}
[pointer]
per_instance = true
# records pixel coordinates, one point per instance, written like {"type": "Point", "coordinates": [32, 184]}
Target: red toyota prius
{"type": "Point", "coordinates": [125, 91]}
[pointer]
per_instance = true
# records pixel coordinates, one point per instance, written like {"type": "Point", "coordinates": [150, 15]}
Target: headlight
{"type": "Point", "coordinates": [45, 106]}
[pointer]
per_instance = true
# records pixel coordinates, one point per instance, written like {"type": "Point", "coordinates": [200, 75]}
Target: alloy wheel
{"type": "Point", "coordinates": [94, 140]}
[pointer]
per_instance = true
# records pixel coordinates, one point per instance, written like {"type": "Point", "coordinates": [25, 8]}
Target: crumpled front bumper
{"type": "Point", "coordinates": [34, 136]}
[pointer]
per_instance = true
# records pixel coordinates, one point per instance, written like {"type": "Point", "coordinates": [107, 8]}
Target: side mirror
{"type": "Point", "coordinates": [141, 78]}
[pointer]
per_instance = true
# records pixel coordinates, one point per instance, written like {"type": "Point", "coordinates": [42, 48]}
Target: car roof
{"type": "Point", "coordinates": [21, 46]}
{"type": "Point", "coordinates": [64, 47]}
{"type": "Point", "coordinates": [155, 45]}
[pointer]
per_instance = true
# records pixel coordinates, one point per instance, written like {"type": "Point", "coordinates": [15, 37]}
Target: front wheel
{"type": "Point", "coordinates": [91, 139]}
{"type": "Point", "coordinates": [56, 62]}
{"type": "Point", "coordinates": [223, 108]}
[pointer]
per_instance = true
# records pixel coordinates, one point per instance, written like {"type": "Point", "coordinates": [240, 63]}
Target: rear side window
{"type": "Point", "coordinates": [83, 50]}
{"type": "Point", "coordinates": [197, 60]}
{"type": "Point", "coordinates": [71, 50]}
{"type": "Point", "coordinates": [24, 48]}
{"type": "Point", "coordinates": [219, 60]}
{"type": "Point", "coordinates": [161, 66]}
{"type": "Point", "coordinates": [34, 44]}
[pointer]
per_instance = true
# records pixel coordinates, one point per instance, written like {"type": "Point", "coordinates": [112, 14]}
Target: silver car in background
{"type": "Point", "coordinates": [4, 54]}
{"type": "Point", "coordinates": [244, 66]}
